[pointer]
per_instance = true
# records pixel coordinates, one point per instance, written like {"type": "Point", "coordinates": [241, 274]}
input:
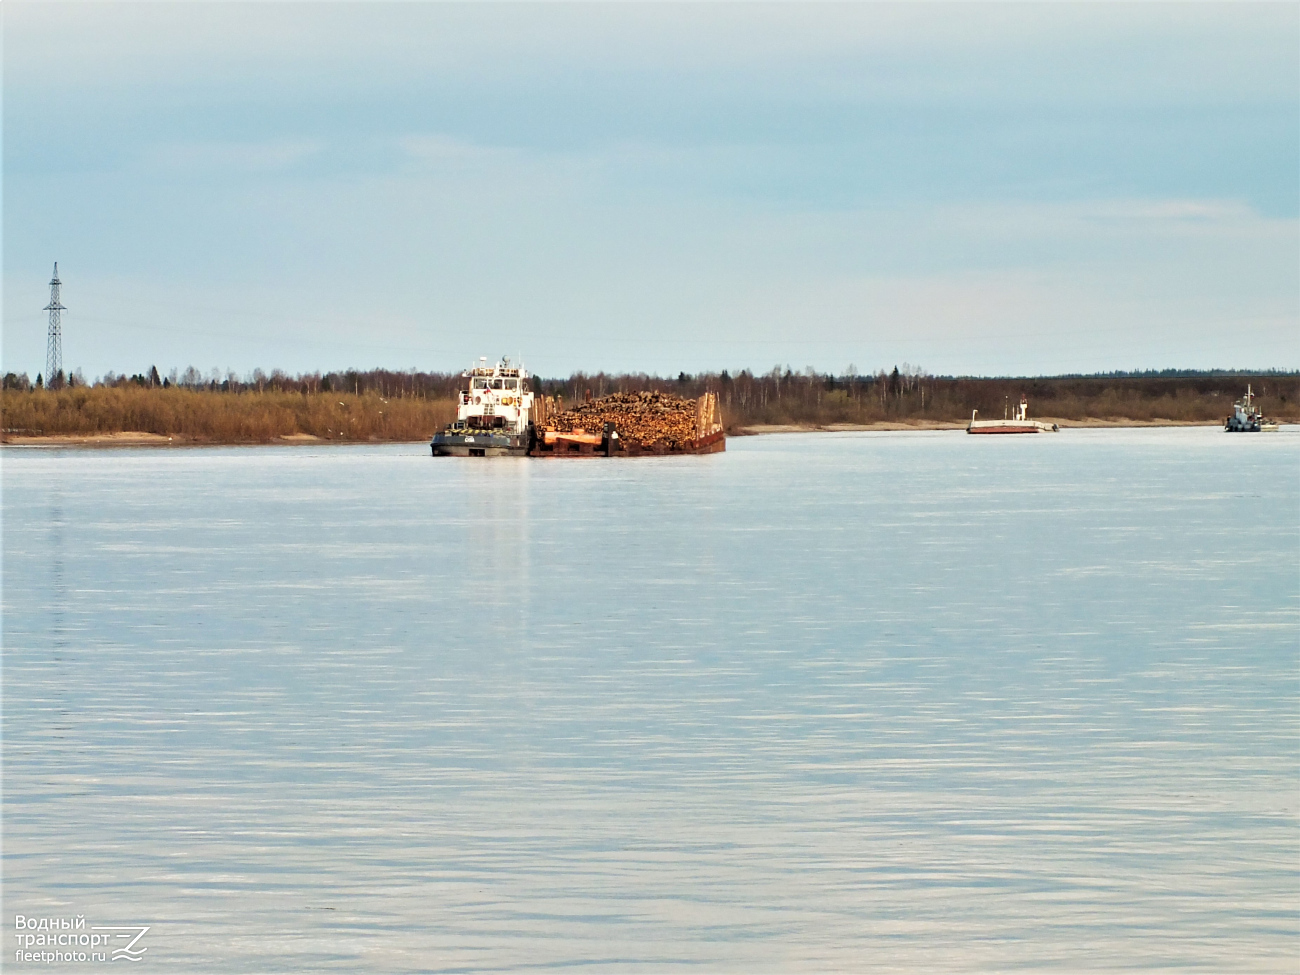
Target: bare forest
{"type": "Point", "coordinates": [403, 406]}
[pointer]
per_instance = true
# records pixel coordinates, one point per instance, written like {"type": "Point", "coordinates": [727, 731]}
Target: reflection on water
{"type": "Point", "coordinates": [821, 702]}
{"type": "Point", "coordinates": [58, 589]}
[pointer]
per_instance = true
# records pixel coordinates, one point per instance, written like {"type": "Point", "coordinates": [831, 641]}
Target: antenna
{"type": "Point", "coordinates": [54, 346]}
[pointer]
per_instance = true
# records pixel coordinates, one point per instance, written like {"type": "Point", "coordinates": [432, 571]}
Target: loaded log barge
{"type": "Point", "coordinates": [498, 414]}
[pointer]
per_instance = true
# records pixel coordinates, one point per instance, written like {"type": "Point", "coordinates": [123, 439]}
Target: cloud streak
{"type": "Point", "coordinates": [232, 157]}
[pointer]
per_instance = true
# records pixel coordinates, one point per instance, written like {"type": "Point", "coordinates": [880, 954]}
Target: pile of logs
{"type": "Point", "coordinates": [641, 419]}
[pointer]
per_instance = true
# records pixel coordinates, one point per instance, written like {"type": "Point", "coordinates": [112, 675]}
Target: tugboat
{"type": "Point", "coordinates": [1019, 423]}
{"type": "Point", "coordinates": [493, 414]}
{"type": "Point", "coordinates": [1246, 419]}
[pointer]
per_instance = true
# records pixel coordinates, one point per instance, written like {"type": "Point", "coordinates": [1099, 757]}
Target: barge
{"type": "Point", "coordinates": [1019, 423]}
{"type": "Point", "coordinates": [645, 424]}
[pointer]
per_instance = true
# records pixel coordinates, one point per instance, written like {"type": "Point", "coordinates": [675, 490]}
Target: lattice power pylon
{"type": "Point", "coordinates": [54, 347]}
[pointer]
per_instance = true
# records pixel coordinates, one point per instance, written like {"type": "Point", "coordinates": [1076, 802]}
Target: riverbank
{"type": "Point", "coordinates": [137, 438]}
{"type": "Point", "coordinates": [142, 439]}
{"type": "Point", "coordinates": [132, 415]}
{"type": "Point", "coordinates": [1086, 422]}
{"type": "Point", "coordinates": [135, 416]}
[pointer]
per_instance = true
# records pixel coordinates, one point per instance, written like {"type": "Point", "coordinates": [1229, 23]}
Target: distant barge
{"type": "Point", "coordinates": [1019, 423]}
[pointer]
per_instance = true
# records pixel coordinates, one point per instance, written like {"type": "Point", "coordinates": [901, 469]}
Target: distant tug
{"type": "Point", "coordinates": [493, 414]}
{"type": "Point", "coordinates": [1246, 419]}
{"type": "Point", "coordinates": [1020, 423]}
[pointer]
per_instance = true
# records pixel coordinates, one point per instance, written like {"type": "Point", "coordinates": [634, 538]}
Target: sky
{"type": "Point", "coordinates": [975, 189]}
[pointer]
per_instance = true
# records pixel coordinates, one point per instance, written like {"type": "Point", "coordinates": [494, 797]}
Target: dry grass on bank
{"type": "Point", "coordinates": [747, 402]}
{"type": "Point", "coordinates": [213, 417]}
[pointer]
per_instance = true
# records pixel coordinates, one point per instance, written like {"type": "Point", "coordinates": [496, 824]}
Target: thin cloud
{"type": "Point", "coordinates": [240, 157]}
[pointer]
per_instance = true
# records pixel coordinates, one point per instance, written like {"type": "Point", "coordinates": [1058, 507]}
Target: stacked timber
{"type": "Point", "coordinates": [650, 421]}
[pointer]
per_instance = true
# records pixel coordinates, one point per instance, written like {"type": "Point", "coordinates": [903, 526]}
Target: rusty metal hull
{"type": "Point", "coordinates": [712, 444]}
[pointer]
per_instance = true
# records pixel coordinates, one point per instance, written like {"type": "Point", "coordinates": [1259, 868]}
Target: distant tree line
{"type": "Point", "coordinates": [385, 382]}
{"type": "Point", "coordinates": [910, 394]}
{"type": "Point", "coordinates": [389, 404]}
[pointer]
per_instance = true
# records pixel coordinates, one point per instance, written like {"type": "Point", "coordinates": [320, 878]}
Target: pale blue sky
{"type": "Point", "coordinates": [977, 188]}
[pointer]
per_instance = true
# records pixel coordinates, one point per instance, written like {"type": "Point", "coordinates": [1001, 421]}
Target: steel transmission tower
{"type": "Point", "coordinates": [54, 347]}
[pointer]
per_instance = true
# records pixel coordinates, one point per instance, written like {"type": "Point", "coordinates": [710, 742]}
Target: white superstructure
{"type": "Point", "coordinates": [1246, 418]}
{"type": "Point", "coordinates": [494, 412]}
{"type": "Point", "coordinates": [495, 398]}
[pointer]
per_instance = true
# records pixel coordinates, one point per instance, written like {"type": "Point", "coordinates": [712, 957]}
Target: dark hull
{"type": "Point", "coordinates": [478, 445]}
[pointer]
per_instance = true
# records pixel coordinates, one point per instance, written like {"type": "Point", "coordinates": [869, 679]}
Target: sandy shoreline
{"type": "Point", "coordinates": [136, 438]}
{"type": "Point", "coordinates": [140, 439]}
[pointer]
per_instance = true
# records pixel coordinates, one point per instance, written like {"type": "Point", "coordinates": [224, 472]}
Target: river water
{"type": "Point", "coordinates": [860, 701]}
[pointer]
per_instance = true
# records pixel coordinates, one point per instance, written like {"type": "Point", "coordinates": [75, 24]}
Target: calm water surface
{"type": "Point", "coordinates": [823, 702]}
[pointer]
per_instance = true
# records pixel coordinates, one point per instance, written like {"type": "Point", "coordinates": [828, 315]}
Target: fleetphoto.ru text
{"type": "Point", "coordinates": [60, 940]}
